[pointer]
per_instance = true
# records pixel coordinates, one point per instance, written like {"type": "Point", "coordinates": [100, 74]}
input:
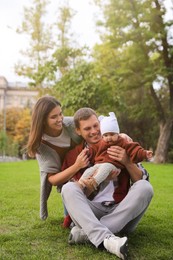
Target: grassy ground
{"type": "Point", "coordinates": [24, 236]}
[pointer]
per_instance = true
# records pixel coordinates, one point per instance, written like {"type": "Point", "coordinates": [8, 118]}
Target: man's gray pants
{"type": "Point", "coordinates": [99, 221]}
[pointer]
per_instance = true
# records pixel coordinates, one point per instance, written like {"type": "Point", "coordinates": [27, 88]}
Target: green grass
{"type": "Point", "coordinates": [24, 236]}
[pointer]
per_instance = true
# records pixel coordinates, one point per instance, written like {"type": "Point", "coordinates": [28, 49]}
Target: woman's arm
{"type": "Point", "coordinates": [64, 176]}
{"type": "Point", "coordinates": [119, 154]}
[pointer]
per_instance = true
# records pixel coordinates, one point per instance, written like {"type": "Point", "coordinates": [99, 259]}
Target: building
{"type": "Point", "coordinates": [16, 95]}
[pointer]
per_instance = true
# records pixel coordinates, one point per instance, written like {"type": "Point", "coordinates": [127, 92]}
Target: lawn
{"type": "Point", "coordinates": [24, 236]}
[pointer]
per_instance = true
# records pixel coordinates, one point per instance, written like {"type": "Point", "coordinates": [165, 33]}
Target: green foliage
{"type": "Point", "coordinates": [3, 142]}
{"type": "Point", "coordinates": [8, 147]}
{"type": "Point", "coordinates": [24, 236]}
{"type": "Point", "coordinates": [17, 131]}
{"type": "Point", "coordinates": [130, 72]}
{"type": "Point", "coordinates": [135, 53]}
{"type": "Point", "coordinates": [40, 43]}
{"type": "Point", "coordinates": [50, 51]}
{"type": "Point", "coordinates": [80, 87]}
{"type": "Point", "coordinates": [63, 23]}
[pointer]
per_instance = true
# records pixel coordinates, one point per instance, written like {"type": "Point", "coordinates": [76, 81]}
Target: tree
{"type": "Point", "coordinates": [52, 51]}
{"type": "Point", "coordinates": [17, 130]}
{"type": "Point", "coordinates": [12, 117]}
{"type": "Point", "coordinates": [8, 146]}
{"type": "Point", "coordinates": [84, 88]}
{"type": "Point", "coordinates": [22, 129]}
{"type": "Point", "coordinates": [40, 42]}
{"type": "Point", "coordinates": [3, 143]}
{"type": "Point", "coordinates": [141, 45]}
{"type": "Point", "coordinates": [66, 53]}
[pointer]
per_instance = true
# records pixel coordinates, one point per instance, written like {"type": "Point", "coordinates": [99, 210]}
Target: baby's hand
{"type": "Point", "coordinates": [149, 154]}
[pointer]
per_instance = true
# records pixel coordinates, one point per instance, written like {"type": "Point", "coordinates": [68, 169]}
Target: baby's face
{"type": "Point", "coordinates": [110, 137]}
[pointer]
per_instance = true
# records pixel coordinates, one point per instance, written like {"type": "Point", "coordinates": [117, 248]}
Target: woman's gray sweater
{"type": "Point", "coordinates": [49, 162]}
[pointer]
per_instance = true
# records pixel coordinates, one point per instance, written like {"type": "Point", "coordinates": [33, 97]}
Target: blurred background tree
{"type": "Point", "coordinates": [139, 68]}
{"type": "Point", "coordinates": [14, 140]}
{"type": "Point", "coordinates": [40, 42]}
{"type": "Point", "coordinates": [129, 72]}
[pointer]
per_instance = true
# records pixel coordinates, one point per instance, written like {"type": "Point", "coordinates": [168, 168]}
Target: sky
{"type": "Point", "coordinates": [11, 43]}
{"type": "Point", "coordinates": [11, 17]}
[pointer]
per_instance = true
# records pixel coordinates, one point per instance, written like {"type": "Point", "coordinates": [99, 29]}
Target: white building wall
{"type": "Point", "coordinates": [16, 96]}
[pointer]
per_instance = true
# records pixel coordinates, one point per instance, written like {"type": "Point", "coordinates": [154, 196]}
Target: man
{"type": "Point", "coordinates": [95, 221]}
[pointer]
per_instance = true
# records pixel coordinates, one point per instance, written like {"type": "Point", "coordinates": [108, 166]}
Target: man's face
{"type": "Point", "coordinates": [90, 130]}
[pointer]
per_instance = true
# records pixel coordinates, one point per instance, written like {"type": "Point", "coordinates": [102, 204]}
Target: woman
{"type": "Point", "coordinates": [51, 136]}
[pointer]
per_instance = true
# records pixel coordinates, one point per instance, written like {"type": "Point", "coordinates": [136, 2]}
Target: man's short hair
{"type": "Point", "coordinates": [83, 114]}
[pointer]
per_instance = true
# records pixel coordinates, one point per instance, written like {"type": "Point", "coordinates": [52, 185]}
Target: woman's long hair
{"type": "Point", "coordinates": [40, 113]}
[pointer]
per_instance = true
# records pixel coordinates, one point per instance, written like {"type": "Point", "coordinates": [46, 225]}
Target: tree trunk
{"type": "Point", "coordinates": [163, 141]}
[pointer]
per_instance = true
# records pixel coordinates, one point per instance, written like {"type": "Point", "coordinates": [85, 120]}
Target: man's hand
{"type": "Point", "coordinates": [119, 154]}
{"type": "Point", "coordinates": [113, 175]}
{"type": "Point", "coordinates": [126, 137]}
{"type": "Point", "coordinates": [88, 185]}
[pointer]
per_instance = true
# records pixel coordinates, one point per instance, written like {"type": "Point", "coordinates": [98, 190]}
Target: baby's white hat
{"type": "Point", "coordinates": [109, 124]}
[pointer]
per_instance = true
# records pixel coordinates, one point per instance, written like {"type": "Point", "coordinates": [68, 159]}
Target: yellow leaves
{"type": "Point", "coordinates": [18, 124]}
{"type": "Point", "coordinates": [22, 127]}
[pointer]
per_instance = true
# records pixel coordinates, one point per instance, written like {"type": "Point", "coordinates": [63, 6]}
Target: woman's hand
{"type": "Point", "coordinates": [82, 159]}
{"type": "Point", "coordinates": [66, 175]}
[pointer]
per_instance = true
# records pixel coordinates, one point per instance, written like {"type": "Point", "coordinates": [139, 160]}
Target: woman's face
{"type": "Point", "coordinates": [54, 122]}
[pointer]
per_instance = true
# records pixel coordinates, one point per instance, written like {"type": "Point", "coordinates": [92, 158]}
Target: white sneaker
{"type": "Point", "coordinates": [77, 236]}
{"type": "Point", "coordinates": [117, 246]}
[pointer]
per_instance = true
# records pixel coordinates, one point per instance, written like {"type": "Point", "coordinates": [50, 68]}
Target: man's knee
{"type": "Point", "coordinates": [145, 189]}
{"type": "Point", "coordinates": [67, 189]}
